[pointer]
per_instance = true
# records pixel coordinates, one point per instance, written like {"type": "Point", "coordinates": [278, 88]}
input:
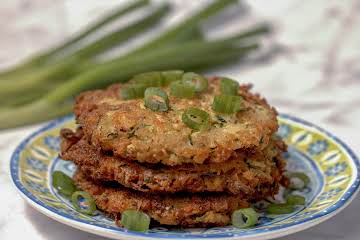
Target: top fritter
{"type": "Point", "coordinates": [191, 121]}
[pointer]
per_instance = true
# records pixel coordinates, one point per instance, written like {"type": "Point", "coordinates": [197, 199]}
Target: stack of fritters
{"type": "Point", "coordinates": [130, 157]}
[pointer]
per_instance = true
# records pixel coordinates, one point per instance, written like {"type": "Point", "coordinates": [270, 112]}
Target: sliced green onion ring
{"type": "Point", "coordinates": [227, 104]}
{"type": "Point", "coordinates": [149, 79]}
{"type": "Point", "coordinates": [135, 220]}
{"type": "Point", "coordinates": [132, 91]}
{"type": "Point", "coordinates": [280, 208]}
{"type": "Point", "coordinates": [196, 118]}
{"type": "Point", "coordinates": [244, 218]}
{"type": "Point", "coordinates": [294, 199]}
{"type": "Point", "coordinates": [156, 99]}
{"type": "Point", "coordinates": [182, 90]}
{"type": "Point", "coordinates": [298, 180]}
{"type": "Point", "coordinates": [63, 183]}
{"type": "Point", "coordinates": [228, 86]}
{"type": "Point", "coordinates": [171, 76]}
{"type": "Point", "coordinates": [85, 199]}
{"type": "Point", "coordinates": [199, 82]}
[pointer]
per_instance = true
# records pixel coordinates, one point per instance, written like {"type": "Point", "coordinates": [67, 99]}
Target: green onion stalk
{"type": "Point", "coordinates": [108, 72]}
{"type": "Point", "coordinates": [183, 27]}
{"type": "Point", "coordinates": [49, 55]}
{"type": "Point", "coordinates": [67, 67]}
{"type": "Point", "coordinates": [182, 30]}
{"type": "Point", "coordinates": [183, 56]}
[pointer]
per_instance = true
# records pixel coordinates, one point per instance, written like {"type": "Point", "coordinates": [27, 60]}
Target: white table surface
{"type": "Point", "coordinates": [314, 73]}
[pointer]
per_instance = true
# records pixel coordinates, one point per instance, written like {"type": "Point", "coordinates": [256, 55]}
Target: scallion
{"type": "Point", "coordinates": [280, 208]}
{"type": "Point", "coordinates": [83, 202]}
{"type": "Point", "coordinates": [244, 218]}
{"type": "Point", "coordinates": [199, 82]}
{"type": "Point", "coordinates": [135, 220]}
{"type": "Point", "coordinates": [132, 91]}
{"type": "Point", "coordinates": [45, 57]}
{"type": "Point", "coordinates": [293, 199]}
{"type": "Point", "coordinates": [55, 103]}
{"type": "Point", "coordinates": [298, 180]}
{"type": "Point", "coordinates": [149, 79]}
{"type": "Point", "coordinates": [182, 90]}
{"type": "Point", "coordinates": [172, 76]}
{"type": "Point", "coordinates": [228, 86]}
{"type": "Point", "coordinates": [196, 118]}
{"type": "Point", "coordinates": [227, 104]}
{"type": "Point", "coordinates": [69, 65]}
{"type": "Point", "coordinates": [156, 99]}
{"type": "Point", "coordinates": [63, 183]}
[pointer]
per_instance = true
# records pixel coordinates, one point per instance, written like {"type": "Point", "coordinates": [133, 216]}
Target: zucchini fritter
{"type": "Point", "coordinates": [131, 131]}
{"type": "Point", "coordinates": [186, 210]}
{"type": "Point", "coordinates": [252, 173]}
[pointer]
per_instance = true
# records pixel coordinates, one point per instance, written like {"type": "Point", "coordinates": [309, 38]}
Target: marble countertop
{"type": "Point", "coordinates": [311, 70]}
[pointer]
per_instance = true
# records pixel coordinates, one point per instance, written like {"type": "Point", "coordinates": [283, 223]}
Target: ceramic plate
{"type": "Point", "coordinates": [331, 165]}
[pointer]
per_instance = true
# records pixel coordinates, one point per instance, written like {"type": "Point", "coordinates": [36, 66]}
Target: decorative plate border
{"type": "Point", "coordinates": [93, 227]}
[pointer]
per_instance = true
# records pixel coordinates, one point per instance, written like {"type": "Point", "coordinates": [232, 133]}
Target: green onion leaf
{"type": "Point", "coordinates": [182, 90]}
{"type": "Point", "coordinates": [244, 218]}
{"type": "Point", "coordinates": [228, 86]}
{"type": "Point", "coordinates": [132, 91]}
{"type": "Point", "coordinates": [199, 82]}
{"type": "Point", "coordinates": [196, 119]}
{"type": "Point", "coordinates": [63, 183]}
{"type": "Point", "coordinates": [227, 104]}
{"type": "Point", "coordinates": [135, 220]}
{"type": "Point", "coordinates": [280, 208]}
{"type": "Point", "coordinates": [171, 76]}
{"type": "Point", "coordinates": [295, 200]}
{"type": "Point", "coordinates": [156, 99]}
{"type": "Point", "coordinates": [86, 205]}
{"type": "Point", "coordinates": [298, 180]}
{"type": "Point", "coordinates": [149, 79]}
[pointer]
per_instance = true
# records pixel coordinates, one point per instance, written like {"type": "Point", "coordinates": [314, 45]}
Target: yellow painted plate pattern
{"type": "Point", "coordinates": [331, 165]}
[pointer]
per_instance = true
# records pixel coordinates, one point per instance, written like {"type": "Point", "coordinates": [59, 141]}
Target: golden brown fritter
{"type": "Point", "coordinates": [131, 131]}
{"type": "Point", "coordinates": [185, 210]}
{"type": "Point", "coordinates": [243, 173]}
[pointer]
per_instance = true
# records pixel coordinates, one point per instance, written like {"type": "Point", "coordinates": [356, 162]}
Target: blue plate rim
{"type": "Point", "coordinates": [353, 189]}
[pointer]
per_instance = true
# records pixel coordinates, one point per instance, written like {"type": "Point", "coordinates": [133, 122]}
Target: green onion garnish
{"type": "Point", "coordinates": [182, 90]}
{"type": "Point", "coordinates": [295, 200]}
{"type": "Point", "coordinates": [229, 86]}
{"type": "Point", "coordinates": [86, 200]}
{"type": "Point", "coordinates": [132, 91]}
{"type": "Point", "coordinates": [63, 183]}
{"type": "Point", "coordinates": [172, 76]}
{"type": "Point", "coordinates": [135, 220]}
{"type": "Point", "coordinates": [156, 99]}
{"type": "Point", "coordinates": [149, 79]}
{"type": "Point", "coordinates": [298, 180]}
{"type": "Point", "coordinates": [199, 82]}
{"type": "Point", "coordinates": [280, 208]}
{"type": "Point", "coordinates": [227, 104]}
{"type": "Point", "coordinates": [244, 218]}
{"type": "Point", "coordinates": [196, 118]}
